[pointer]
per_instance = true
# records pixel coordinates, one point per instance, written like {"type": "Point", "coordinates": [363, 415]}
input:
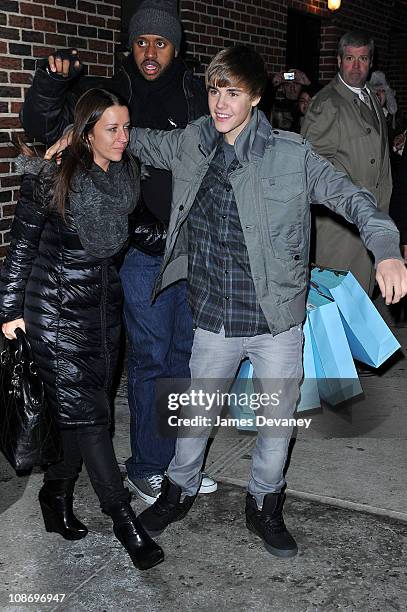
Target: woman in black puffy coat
{"type": "Point", "coordinates": [60, 284]}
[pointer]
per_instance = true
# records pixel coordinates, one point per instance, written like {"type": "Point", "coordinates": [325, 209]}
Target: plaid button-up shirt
{"type": "Point", "coordinates": [221, 288]}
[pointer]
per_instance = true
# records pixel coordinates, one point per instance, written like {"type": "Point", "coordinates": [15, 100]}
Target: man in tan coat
{"type": "Point", "coordinates": [346, 125]}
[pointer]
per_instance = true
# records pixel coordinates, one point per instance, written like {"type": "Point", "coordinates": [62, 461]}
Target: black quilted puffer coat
{"type": "Point", "coordinates": [71, 304]}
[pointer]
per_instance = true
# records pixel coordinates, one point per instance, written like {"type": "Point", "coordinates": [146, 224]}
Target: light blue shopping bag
{"type": "Point", "coordinates": [309, 398]}
{"type": "Point", "coordinates": [336, 372]}
{"type": "Point", "coordinates": [369, 338]}
{"type": "Point", "coordinates": [243, 385]}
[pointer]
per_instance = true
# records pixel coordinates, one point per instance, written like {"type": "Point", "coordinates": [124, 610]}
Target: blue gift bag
{"type": "Point", "coordinates": [243, 384]}
{"type": "Point", "coordinates": [369, 338]}
{"type": "Point", "coordinates": [309, 398]}
{"type": "Point", "coordinates": [336, 372]}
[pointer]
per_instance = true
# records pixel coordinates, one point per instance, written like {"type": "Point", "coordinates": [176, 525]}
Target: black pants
{"type": "Point", "coordinates": [93, 445]}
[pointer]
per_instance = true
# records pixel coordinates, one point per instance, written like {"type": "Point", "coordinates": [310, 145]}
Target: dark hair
{"type": "Point", "coordinates": [239, 65]}
{"type": "Point", "coordinates": [89, 109]}
{"type": "Point", "coordinates": [356, 38]}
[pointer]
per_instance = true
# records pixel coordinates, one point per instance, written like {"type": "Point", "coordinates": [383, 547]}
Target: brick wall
{"type": "Point", "coordinates": [32, 29]}
{"type": "Point", "coordinates": [212, 24]}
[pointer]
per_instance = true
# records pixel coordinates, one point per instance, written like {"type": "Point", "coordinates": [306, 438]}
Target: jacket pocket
{"type": "Point", "coordinates": [284, 202]}
{"type": "Point", "coordinates": [284, 188]}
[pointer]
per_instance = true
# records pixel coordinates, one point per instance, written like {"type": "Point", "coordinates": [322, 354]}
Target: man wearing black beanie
{"type": "Point", "coordinates": [163, 94]}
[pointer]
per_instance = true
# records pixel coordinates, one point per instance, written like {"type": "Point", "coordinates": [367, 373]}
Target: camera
{"type": "Point", "coordinates": [289, 76]}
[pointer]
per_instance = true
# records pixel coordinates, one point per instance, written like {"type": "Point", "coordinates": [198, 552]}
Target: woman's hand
{"type": "Point", "coordinates": [9, 328]}
{"type": "Point", "coordinates": [59, 146]}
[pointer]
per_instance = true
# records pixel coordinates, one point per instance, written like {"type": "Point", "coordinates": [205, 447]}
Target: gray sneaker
{"type": "Point", "coordinates": [208, 484]}
{"type": "Point", "coordinates": [148, 488]}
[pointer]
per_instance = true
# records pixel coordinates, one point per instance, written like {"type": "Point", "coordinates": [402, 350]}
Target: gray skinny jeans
{"type": "Point", "coordinates": [277, 364]}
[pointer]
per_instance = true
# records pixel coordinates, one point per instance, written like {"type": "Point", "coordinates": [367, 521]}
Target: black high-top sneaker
{"type": "Point", "coordinates": [268, 524]}
{"type": "Point", "coordinates": [167, 509]}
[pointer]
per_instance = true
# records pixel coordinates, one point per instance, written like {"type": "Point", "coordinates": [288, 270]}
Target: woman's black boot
{"type": "Point", "coordinates": [56, 500]}
{"type": "Point", "coordinates": [143, 551]}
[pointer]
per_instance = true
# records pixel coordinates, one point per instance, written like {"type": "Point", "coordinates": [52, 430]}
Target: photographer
{"type": "Point", "coordinates": [284, 111]}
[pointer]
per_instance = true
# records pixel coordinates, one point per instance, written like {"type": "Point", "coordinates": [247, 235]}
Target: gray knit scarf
{"type": "Point", "coordinates": [101, 202]}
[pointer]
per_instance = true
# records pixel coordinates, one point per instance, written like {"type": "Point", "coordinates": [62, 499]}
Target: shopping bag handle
{"type": "Point", "coordinates": [318, 290]}
{"type": "Point", "coordinates": [336, 272]}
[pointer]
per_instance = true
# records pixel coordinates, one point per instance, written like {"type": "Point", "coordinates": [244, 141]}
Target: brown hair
{"type": "Point", "coordinates": [89, 109]}
{"type": "Point", "coordinates": [239, 65]}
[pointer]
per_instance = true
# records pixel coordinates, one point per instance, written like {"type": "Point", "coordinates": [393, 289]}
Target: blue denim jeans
{"type": "Point", "coordinates": [160, 340]}
{"type": "Point", "coordinates": [215, 360]}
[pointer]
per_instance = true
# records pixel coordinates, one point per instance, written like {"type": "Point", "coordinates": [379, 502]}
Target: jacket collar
{"type": "Point", "coordinates": [249, 145]}
{"type": "Point", "coordinates": [344, 91]}
{"type": "Point", "coordinates": [351, 96]}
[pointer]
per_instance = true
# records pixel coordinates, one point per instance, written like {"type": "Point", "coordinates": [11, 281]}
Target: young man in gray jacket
{"type": "Point", "coordinates": [239, 232]}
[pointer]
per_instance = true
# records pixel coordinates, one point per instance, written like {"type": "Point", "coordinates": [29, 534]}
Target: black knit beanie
{"type": "Point", "coordinates": [158, 17]}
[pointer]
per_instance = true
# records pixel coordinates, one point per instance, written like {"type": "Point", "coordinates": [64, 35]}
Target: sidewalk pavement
{"type": "Point", "coordinates": [346, 505]}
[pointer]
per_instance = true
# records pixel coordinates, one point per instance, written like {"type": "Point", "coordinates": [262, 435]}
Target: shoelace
{"type": "Point", "coordinates": [275, 524]}
{"type": "Point", "coordinates": [155, 481]}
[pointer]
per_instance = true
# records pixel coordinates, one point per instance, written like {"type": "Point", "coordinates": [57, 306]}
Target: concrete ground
{"type": "Point", "coordinates": [346, 505]}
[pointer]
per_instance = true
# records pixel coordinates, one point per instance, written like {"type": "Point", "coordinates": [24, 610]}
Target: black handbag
{"type": "Point", "coordinates": [29, 436]}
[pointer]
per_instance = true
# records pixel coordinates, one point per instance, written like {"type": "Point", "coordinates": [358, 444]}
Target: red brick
{"type": "Point", "coordinates": [104, 58]}
{"type": "Point", "coordinates": [98, 71]}
{"type": "Point", "coordinates": [100, 22]}
{"type": "Point", "coordinates": [7, 123]}
{"type": "Point", "coordinates": [44, 25]}
{"type": "Point", "coordinates": [42, 51]}
{"type": "Point", "coordinates": [56, 40]}
{"type": "Point", "coordinates": [10, 63]}
{"type": "Point", "coordinates": [9, 210]}
{"type": "Point", "coordinates": [10, 181]}
{"type": "Point", "coordinates": [6, 152]}
{"type": "Point", "coordinates": [74, 17]}
{"type": "Point", "coordinates": [9, 33]}
{"type": "Point", "coordinates": [31, 8]}
{"type": "Point", "coordinates": [17, 21]}
{"type": "Point", "coordinates": [16, 107]}
{"type": "Point", "coordinates": [98, 45]}
{"type": "Point", "coordinates": [4, 167]}
{"type": "Point", "coordinates": [113, 24]}
{"type": "Point", "coordinates": [89, 57]}
{"type": "Point", "coordinates": [55, 13]}
{"type": "Point", "coordinates": [86, 7]}
{"type": "Point", "coordinates": [104, 9]}
{"type": "Point", "coordinates": [21, 77]}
